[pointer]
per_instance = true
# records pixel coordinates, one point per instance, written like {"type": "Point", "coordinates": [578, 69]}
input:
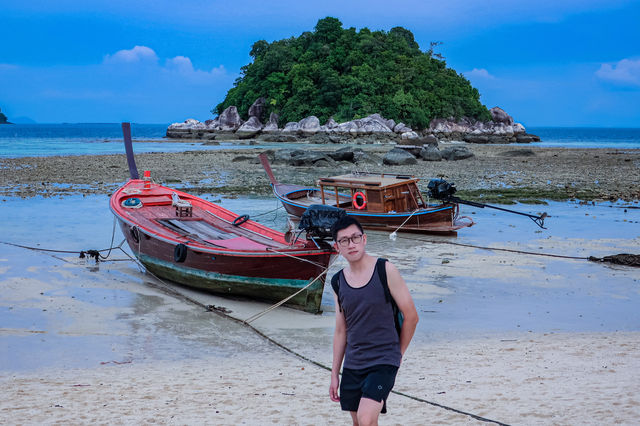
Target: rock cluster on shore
{"type": "Point", "coordinates": [229, 125]}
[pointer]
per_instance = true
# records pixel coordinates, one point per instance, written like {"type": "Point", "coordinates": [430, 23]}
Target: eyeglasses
{"type": "Point", "coordinates": [344, 242]}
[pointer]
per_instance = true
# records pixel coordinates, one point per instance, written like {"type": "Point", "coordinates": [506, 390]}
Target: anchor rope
{"type": "Point", "coordinates": [405, 221]}
{"type": "Point", "coordinates": [274, 306]}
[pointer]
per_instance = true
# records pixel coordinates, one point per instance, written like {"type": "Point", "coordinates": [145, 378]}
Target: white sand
{"type": "Point", "coordinates": [534, 379]}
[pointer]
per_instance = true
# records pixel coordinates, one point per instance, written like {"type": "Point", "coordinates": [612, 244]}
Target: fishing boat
{"type": "Point", "coordinates": [197, 243]}
{"type": "Point", "coordinates": [386, 202]}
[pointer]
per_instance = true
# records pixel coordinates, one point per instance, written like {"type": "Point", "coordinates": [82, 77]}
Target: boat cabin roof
{"type": "Point", "coordinates": [368, 180]}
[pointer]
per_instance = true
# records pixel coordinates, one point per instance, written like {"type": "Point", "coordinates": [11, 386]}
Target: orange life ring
{"type": "Point", "coordinates": [356, 203]}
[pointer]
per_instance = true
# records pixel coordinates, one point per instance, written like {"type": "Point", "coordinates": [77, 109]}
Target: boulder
{"type": "Point", "coordinates": [454, 153]}
{"type": "Point", "coordinates": [476, 138]}
{"type": "Point", "coordinates": [424, 141]}
{"type": "Point", "coordinates": [430, 153]}
{"type": "Point", "coordinates": [526, 138]}
{"type": "Point", "coordinates": [291, 127]}
{"type": "Point", "coordinates": [498, 115]}
{"type": "Point", "coordinates": [411, 149]}
{"type": "Point", "coordinates": [230, 120]}
{"type": "Point", "coordinates": [285, 155]}
{"type": "Point", "coordinates": [401, 128]}
{"type": "Point", "coordinates": [257, 108]}
{"type": "Point", "coordinates": [361, 157]}
{"type": "Point", "coordinates": [250, 128]}
{"type": "Point", "coordinates": [331, 124]}
{"type": "Point", "coordinates": [272, 125]}
{"type": "Point", "coordinates": [343, 154]}
{"type": "Point", "coordinates": [398, 157]}
{"type": "Point", "coordinates": [309, 126]}
{"type": "Point", "coordinates": [409, 135]}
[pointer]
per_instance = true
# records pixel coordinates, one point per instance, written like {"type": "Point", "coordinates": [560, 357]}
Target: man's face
{"type": "Point", "coordinates": [350, 243]}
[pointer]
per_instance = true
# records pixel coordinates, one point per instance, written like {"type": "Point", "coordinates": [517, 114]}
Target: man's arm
{"type": "Point", "coordinates": [339, 345]}
{"type": "Point", "coordinates": [400, 293]}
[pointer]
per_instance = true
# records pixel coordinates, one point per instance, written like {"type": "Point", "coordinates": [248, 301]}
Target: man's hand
{"type": "Point", "coordinates": [333, 389]}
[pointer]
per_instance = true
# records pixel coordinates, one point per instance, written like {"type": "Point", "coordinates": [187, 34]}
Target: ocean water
{"type": "Point", "coordinates": [41, 140]}
{"type": "Point", "coordinates": [25, 140]}
{"type": "Point", "coordinates": [587, 137]}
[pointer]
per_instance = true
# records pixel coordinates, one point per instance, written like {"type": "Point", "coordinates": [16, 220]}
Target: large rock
{"type": "Point", "coordinates": [250, 128]}
{"type": "Point", "coordinates": [401, 128]}
{"type": "Point", "coordinates": [331, 124]}
{"type": "Point", "coordinates": [291, 127]}
{"type": "Point", "coordinates": [498, 115]}
{"type": "Point", "coordinates": [454, 153]}
{"type": "Point", "coordinates": [526, 138]}
{"type": "Point", "coordinates": [343, 154]}
{"type": "Point", "coordinates": [257, 109]}
{"type": "Point", "coordinates": [230, 120]}
{"type": "Point", "coordinates": [409, 135]}
{"type": "Point", "coordinates": [398, 157]}
{"type": "Point", "coordinates": [272, 125]}
{"type": "Point", "coordinates": [430, 153]}
{"type": "Point", "coordinates": [309, 126]}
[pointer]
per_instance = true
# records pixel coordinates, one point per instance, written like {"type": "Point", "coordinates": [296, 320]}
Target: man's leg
{"type": "Point", "coordinates": [368, 412]}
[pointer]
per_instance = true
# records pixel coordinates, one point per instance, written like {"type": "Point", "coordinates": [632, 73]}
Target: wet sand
{"type": "Point", "coordinates": [586, 174]}
{"type": "Point", "coordinates": [510, 337]}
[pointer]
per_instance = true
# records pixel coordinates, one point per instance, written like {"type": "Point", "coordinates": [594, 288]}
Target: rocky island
{"type": "Point", "coordinates": [339, 85]}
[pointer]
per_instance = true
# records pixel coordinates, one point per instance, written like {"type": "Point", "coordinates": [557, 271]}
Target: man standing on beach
{"type": "Point", "coordinates": [365, 335]}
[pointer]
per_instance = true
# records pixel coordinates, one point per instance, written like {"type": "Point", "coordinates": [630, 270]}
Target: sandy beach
{"type": "Point", "coordinates": [504, 337]}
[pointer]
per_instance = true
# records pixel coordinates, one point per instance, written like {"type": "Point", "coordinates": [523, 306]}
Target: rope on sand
{"type": "Point", "coordinates": [620, 259]}
{"type": "Point", "coordinates": [223, 312]}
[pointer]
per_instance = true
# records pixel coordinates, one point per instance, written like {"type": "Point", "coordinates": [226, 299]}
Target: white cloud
{"type": "Point", "coordinates": [136, 55]}
{"type": "Point", "coordinates": [625, 72]}
{"type": "Point", "coordinates": [479, 73]}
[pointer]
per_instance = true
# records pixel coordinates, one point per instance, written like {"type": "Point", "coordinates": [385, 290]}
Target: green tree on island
{"type": "Point", "coordinates": [3, 118]}
{"type": "Point", "coordinates": [350, 74]}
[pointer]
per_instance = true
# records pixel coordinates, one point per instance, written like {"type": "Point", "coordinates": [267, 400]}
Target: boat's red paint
{"type": "Point", "coordinates": [250, 259]}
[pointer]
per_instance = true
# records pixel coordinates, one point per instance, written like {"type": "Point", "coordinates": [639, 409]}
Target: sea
{"type": "Point", "coordinates": [28, 140]}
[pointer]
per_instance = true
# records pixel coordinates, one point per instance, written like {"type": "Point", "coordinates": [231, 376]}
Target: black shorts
{"type": "Point", "coordinates": [372, 382]}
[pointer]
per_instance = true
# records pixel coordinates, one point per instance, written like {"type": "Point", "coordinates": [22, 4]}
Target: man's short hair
{"type": "Point", "coordinates": [343, 223]}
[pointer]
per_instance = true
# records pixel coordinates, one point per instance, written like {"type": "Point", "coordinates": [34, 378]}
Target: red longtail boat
{"type": "Point", "coordinates": [196, 243]}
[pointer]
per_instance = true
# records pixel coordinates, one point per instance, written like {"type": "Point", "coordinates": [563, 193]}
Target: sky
{"type": "Point", "coordinates": [547, 63]}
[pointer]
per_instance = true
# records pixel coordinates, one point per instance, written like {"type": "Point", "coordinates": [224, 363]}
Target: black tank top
{"type": "Point", "coordinates": [372, 338]}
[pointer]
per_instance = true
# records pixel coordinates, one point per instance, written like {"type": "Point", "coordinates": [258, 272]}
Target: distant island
{"type": "Point", "coordinates": [336, 84]}
{"type": "Point", "coordinates": [3, 118]}
{"type": "Point", "coordinates": [348, 74]}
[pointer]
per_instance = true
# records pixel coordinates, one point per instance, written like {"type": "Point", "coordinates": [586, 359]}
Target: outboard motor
{"type": "Point", "coordinates": [318, 219]}
{"type": "Point", "coordinates": [440, 189]}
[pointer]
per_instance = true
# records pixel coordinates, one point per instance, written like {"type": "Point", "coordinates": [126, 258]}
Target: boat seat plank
{"type": "Point", "coordinates": [200, 228]}
{"type": "Point", "coordinates": [159, 200]}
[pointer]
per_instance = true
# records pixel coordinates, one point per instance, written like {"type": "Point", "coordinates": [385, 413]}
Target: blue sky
{"type": "Point", "coordinates": [547, 63]}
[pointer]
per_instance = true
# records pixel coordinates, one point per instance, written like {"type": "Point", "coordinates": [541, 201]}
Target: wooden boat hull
{"type": "Point", "coordinates": [269, 274]}
{"type": "Point", "coordinates": [442, 219]}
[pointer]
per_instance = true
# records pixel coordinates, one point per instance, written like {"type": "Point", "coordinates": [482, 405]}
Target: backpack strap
{"type": "Point", "coordinates": [382, 274]}
{"type": "Point", "coordinates": [335, 284]}
{"type": "Point", "coordinates": [398, 318]}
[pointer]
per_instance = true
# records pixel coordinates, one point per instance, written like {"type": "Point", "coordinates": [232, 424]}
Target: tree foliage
{"type": "Point", "coordinates": [350, 74]}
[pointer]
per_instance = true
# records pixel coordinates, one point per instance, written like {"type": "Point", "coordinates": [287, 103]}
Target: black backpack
{"type": "Point", "coordinates": [382, 274]}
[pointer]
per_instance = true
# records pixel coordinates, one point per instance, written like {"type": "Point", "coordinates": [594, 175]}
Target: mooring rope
{"type": "Point", "coordinates": [283, 301]}
{"type": "Point", "coordinates": [394, 234]}
{"type": "Point", "coordinates": [221, 311]}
